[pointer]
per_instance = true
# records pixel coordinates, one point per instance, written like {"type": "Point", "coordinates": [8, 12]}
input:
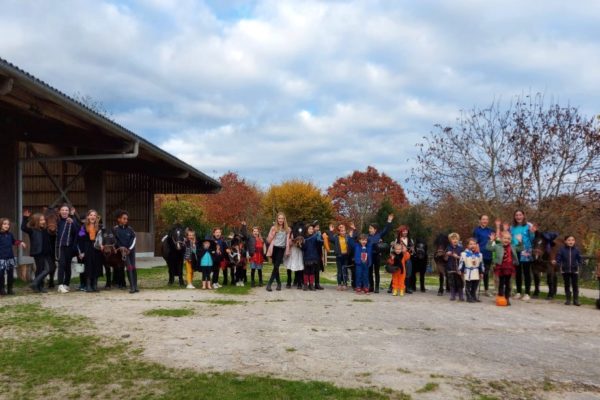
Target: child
{"type": "Point", "coordinates": [569, 260]}
{"type": "Point", "coordinates": [256, 253]}
{"type": "Point", "coordinates": [374, 238]}
{"type": "Point", "coordinates": [190, 256]}
{"type": "Point", "coordinates": [505, 260]}
{"type": "Point", "coordinates": [66, 244]}
{"type": "Point", "coordinates": [321, 267]}
{"type": "Point", "coordinates": [238, 261]}
{"type": "Point", "coordinates": [279, 247]}
{"type": "Point", "coordinates": [398, 259]}
{"type": "Point", "coordinates": [41, 247]}
{"type": "Point", "coordinates": [206, 257]}
{"type": "Point", "coordinates": [471, 267]}
{"type": "Point", "coordinates": [125, 237]}
{"type": "Point", "coordinates": [452, 258]}
{"type": "Point", "coordinates": [342, 245]}
{"type": "Point", "coordinates": [7, 257]}
{"type": "Point", "coordinates": [220, 249]}
{"type": "Point", "coordinates": [91, 256]}
{"type": "Point", "coordinates": [294, 262]}
{"type": "Point", "coordinates": [362, 261]}
{"type": "Point", "coordinates": [312, 256]}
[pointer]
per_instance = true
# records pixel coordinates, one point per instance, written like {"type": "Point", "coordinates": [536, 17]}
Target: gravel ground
{"type": "Point", "coordinates": [400, 343]}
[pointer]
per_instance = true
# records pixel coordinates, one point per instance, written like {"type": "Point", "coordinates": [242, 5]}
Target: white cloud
{"type": "Point", "coordinates": [277, 89]}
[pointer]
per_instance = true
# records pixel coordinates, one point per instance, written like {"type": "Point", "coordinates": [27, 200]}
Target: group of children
{"type": "Point", "coordinates": [55, 238]}
{"type": "Point", "coordinates": [507, 251]}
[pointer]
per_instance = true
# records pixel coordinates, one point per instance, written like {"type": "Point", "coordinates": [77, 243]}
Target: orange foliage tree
{"type": "Point", "coordinates": [299, 200]}
{"type": "Point", "coordinates": [358, 196]}
{"type": "Point", "coordinates": [237, 201]}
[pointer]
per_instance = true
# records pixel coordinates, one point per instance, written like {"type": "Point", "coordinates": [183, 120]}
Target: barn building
{"type": "Point", "coordinates": [54, 149]}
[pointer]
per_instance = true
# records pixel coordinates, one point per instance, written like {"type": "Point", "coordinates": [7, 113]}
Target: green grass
{"type": "Point", "coordinates": [290, 350]}
{"type": "Point", "coordinates": [362, 300]}
{"type": "Point", "coordinates": [235, 290]}
{"type": "Point", "coordinates": [429, 387]}
{"type": "Point", "coordinates": [169, 312]}
{"type": "Point", "coordinates": [77, 364]}
{"type": "Point", "coordinates": [221, 302]}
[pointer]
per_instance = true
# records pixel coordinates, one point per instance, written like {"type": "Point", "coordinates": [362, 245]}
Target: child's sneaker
{"type": "Point", "coordinates": [216, 285]}
{"type": "Point", "coordinates": [401, 292]}
{"type": "Point", "coordinates": [190, 286]}
{"type": "Point", "coordinates": [395, 292]}
{"type": "Point", "coordinates": [61, 289]}
{"type": "Point", "coordinates": [358, 291]}
{"type": "Point", "coordinates": [526, 297]}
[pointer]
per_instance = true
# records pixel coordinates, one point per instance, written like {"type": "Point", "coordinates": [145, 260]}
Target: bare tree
{"type": "Point", "coordinates": [527, 154]}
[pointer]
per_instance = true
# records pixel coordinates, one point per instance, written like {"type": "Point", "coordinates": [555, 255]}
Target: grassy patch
{"type": "Point", "coordinates": [221, 302]}
{"type": "Point", "coordinates": [429, 387]}
{"type": "Point", "coordinates": [362, 300]}
{"type": "Point", "coordinates": [290, 350]}
{"type": "Point", "coordinates": [169, 312]}
{"type": "Point", "coordinates": [235, 290]}
{"type": "Point", "coordinates": [403, 370]}
{"type": "Point", "coordinates": [73, 364]}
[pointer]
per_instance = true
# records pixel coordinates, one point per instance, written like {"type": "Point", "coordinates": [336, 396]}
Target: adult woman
{"type": "Point", "coordinates": [279, 247]}
{"type": "Point", "coordinates": [91, 256]}
{"type": "Point", "coordinates": [523, 231]}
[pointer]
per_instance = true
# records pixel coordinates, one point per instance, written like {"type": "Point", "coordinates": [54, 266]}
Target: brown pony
{"type": "Point", "coordinates": [441, 244]}
{"type": "Point", "coordinates": [115, 258]}
{"type": "Point", "coordinates": [544, 251]}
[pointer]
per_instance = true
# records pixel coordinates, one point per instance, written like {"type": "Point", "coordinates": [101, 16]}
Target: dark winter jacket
{"type": "Point", "coordinates": [124, 236]}
{"type": "Point", "coordinates": [39, 240]}
{"type": "Point", "coordinates": [7, 241]}
{"type": "Point", "coordinates": [66, 233]}
{"type": "Point", "coordinates": [569, 259]}
{"type": "Point", "coordinates": [451, 262]}
{"type": "Point", "coordinates": [310, 248]}
{"type": "Point", "coordinates": [335, 239]}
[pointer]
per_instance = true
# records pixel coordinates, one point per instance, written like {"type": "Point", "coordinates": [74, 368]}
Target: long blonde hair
{"type": "Point", "coordinates": [285, 224]}
{"type": "Point", "coordinates": [97, 223]}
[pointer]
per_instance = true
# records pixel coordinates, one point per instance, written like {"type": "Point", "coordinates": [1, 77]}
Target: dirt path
{"type": "Point", "coordinates": [390, 342]}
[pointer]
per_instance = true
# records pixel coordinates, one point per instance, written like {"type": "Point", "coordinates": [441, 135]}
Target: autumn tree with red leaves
{"type": "Point", "coordinates": [358, 196]}
{"type": "Point", "coordinates": [237, 201]}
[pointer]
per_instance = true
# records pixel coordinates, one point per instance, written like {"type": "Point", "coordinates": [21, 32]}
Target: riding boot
{"type": "Point", "coordinates": [576, 299]}
{"type": "Point", "coordinates": [568, 301]}
{"type": "Point", "coordinates": [51, 281]}
{"type": "Point", "coordinates": [88, 285]}
{"type": "Point", "coordinates": [269, 283]}
{"type": "Point", "coordinates": [130, 277]}
{"type": "Point", "coordinates": [95, 284]}
{"type": "Point", "coordinates": [260, 278]}
{"type": "Point", "coordinates": [289, 279]}
{"type": "Point", "coordinates": [252, 274]}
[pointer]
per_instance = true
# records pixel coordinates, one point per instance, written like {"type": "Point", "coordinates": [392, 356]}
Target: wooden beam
{"type": "Point", "coordinates": [6, 85]}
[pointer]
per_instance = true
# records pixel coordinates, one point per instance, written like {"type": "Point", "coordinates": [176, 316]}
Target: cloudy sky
{"type": "Point", "coordinates": [279, 89]}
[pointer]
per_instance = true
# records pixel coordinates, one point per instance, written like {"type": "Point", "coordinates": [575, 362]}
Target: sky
{"type": "Point", "coordinates": [280, 89]}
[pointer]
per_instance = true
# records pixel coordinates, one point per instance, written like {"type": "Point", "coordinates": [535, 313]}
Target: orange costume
{"type": "Point", "coordinates": [399, 277]}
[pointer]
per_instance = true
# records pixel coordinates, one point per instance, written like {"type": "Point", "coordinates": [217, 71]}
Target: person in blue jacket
{"type": "Point", "coordinates": [66, 245]}
{"type": "Point", "coordinates": [374, 238]}
{"type": "Point", "coordinates": [482, 234]}
{"type": "Point", "coordinates": [569, 261]}
{"type": "Point", "coordinates": [362, 261]}
{"type": "Point", "coordinates": [125, 237]}
{"type": "Point", "coordinates": [523, 232]}
{"type": "Point", "coordinates": [311, 257]}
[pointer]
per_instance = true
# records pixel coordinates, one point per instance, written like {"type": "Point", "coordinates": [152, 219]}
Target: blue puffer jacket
{"type": "Point", "coordinates": [527, 241]}
{"type": "Point", "coordinates": [569, 259]}
{"type": "Point", "coordinates": [310, 248]}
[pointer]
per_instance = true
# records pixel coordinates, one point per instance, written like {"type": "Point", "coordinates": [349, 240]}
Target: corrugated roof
{"type": "Point", "coordinates": [24, 78]}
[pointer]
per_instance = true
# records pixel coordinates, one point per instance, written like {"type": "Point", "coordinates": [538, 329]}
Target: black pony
{"type": "Point", "coordinates": [544, 252]}
{"type": "Point", "coordinates": [173, 249]}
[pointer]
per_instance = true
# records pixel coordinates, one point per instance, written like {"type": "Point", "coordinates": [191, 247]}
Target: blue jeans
{"type": "Point", "coordinates": [342, 270]}
{"type": "Point", "coordinates": [362, 276]}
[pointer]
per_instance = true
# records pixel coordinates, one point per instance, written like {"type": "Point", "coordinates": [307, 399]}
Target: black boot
{"type": "Point", "coordinates": [51, 282]}
{"type": "Point", "coordinates": [135, 280]}
{"type": "Point", "coordinates": [260, 279]}
{"type": "Point", "coordinates": [278, 286]}
{"type": "Point", "coordinates": [568, 301]}
{"type": "Point", "coordinates": [576, 300]}
{"type": "Point", "coordinates": [131, 284]}
{"type": "Point", "coordinates": [95, 284]}
{"type": "Point", "coordinates": [88, 285]}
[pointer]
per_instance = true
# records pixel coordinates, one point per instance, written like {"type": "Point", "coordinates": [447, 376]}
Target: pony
{"type": "Point", "coordinates": [114, 258]}
{"type": "Point", "coordinates": [544, 250]}
{"type": "Point", "coordinates": [173, 249]}
{"type": "Point", "coordinates": [52, 217]}
{"type": "Point", "coordinates": [440, 244]}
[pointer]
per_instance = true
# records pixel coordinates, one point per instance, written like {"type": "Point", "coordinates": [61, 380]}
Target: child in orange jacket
{"type": "Point", "coordinates": [398, 261]}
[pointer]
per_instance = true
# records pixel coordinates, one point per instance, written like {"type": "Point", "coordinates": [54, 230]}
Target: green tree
{"type": "Point", "coordinates": [185, 213]}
